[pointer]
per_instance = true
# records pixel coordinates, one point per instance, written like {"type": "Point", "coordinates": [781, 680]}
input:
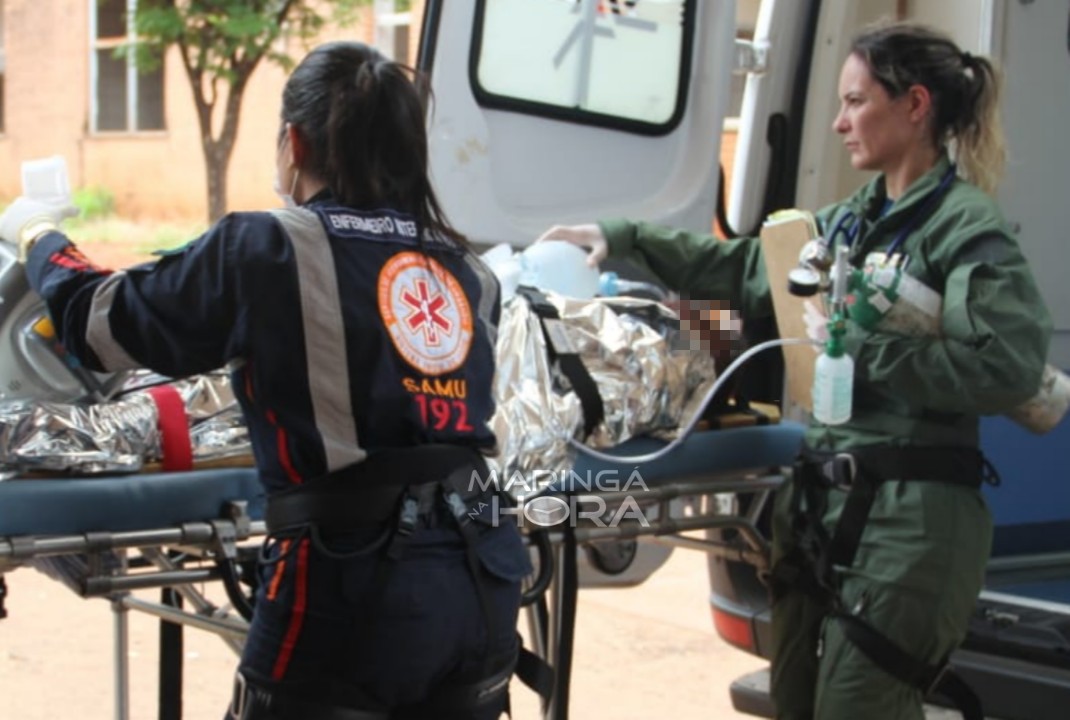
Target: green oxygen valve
{"type": "Point", "coordinates": [835, 369]}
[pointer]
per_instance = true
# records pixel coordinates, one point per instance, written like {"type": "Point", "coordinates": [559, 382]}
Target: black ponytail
{"type": "Point", "coordinates": [364, 121]}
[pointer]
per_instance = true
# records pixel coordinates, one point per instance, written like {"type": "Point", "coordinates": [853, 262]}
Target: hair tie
{"type": "Point", "coordinates": [967, 59]}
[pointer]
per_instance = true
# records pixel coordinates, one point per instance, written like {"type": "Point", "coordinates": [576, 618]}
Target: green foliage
{"type": "Point", "coordinates": [221, 43]}
{"type": "Point", "coordinates": [222, 38]}
{"type": "Point", "coordinates": [94, 202]}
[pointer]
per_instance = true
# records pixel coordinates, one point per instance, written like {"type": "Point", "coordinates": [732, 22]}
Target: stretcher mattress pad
{"type": "Point", "coordinates": [64, 506]}
{"type": "Point", "coordinates": [701, 455]}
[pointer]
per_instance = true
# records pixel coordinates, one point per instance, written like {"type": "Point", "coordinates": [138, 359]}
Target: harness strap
{"type": "Point", "coordinates": [468, 697]}
{"type": "Point", "coordinates": [861, 471]}
{"type": "Point", "coordinates": [568, 603]}
{"type": "Point", "coordinates": [885, 654]}
{"type": "Point", "coordinates": [560, 348]}
{"type": "Point", "coordinates": [534, 672]}
{"type": "Point", "coordinates": [405, 485]}
{"type": "Point", "coordinates": [367, 493]}
{"type": "Point", "coordinates": [254, 702]}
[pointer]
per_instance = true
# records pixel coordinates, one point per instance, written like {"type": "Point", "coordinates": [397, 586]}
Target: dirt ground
{"type": "Point", "coordinates": [642, 652]}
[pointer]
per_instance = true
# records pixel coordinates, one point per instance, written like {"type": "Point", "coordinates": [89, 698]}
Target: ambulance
{"type": "Point", "coordinates": [709, 115]}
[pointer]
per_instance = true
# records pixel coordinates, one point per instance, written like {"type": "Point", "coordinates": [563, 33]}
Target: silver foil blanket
{"type": "Point", "coordinates": [650, 381]}
{"type": "Point", "coordinates": [118, 436]}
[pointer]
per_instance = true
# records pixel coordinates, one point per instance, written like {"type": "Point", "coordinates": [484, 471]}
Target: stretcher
{"type": "Point", "coordinates": [107, 537]}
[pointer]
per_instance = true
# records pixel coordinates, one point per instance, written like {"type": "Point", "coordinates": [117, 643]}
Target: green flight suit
{"type": "Point", "coordinates": [920, 562]}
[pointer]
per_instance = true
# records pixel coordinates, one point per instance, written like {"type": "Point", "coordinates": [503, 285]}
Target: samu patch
{"type": "Point", "coordinates": [425, 312]}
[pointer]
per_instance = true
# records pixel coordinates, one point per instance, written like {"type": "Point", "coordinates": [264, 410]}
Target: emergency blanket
{"type": "Point", "coordinates": [649, 378]}
{"type": "Point", "coordinates": [647, 374]}
{"type": "Point", "coordinates": [123, 435]}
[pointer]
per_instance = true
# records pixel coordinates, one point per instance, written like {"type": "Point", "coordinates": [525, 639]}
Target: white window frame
{"type": "Point", "coordinates": [95, 45]}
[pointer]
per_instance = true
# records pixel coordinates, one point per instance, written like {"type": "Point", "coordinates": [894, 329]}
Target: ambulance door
{"type": "Point", "coordinates": [1032, 41]}
{"type": "Point", "coordinates": [563, 111]}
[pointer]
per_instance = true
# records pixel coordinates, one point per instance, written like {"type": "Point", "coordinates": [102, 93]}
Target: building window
{"type": "Point", "coordinates": [124, 99]}
{"type": "Point", "coordinates": [620, 64]}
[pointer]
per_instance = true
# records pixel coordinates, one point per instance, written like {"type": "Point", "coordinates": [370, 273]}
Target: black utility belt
{"type": "Point", "coordinates": [334, 510]}
{"type": "Point", "coordinates": [370, 493]}
{"type": "Point", "coordinates": [948, 464]}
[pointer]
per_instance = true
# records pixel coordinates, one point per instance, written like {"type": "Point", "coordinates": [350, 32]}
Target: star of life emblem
{"type": "Point", "coordinates": [426, 313]}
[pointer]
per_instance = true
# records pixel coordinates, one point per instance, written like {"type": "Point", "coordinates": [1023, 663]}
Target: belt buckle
{"type": "Point", "coordinates": [843, 480]}
{"type": "Point", "coordinates": [237, 702]}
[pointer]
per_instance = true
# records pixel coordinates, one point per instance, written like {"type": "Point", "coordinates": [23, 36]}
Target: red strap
{"type": "Point", "coordinates": [173, 424]}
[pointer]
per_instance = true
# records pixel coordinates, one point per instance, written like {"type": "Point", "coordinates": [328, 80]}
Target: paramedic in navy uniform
{"type": "Point", "coordinates": [359, 327]}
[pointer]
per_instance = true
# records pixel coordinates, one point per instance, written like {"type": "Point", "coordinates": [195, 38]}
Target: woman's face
{"type": "Point", "coordinates": [878, 130]}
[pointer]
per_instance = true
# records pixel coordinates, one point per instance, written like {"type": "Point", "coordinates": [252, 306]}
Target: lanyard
{"type": "Point", "coordinates": [945, 183]}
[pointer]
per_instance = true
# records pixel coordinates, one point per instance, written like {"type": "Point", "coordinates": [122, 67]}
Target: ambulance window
{"type": "Point", "coordinates": [618, 63]}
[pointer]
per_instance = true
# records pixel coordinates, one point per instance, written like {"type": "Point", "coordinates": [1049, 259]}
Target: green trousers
{"type": "Point", "coordinates": [919, 567]}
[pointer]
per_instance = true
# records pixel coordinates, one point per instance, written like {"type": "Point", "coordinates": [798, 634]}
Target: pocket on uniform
{"type": "Point", "coordinates": [502, 552]}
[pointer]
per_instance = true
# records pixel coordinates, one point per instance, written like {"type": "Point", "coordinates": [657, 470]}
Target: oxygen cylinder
{"type": "Point", "coordinates": [1046, 409]}
{"type": "Point", "coordinates": [885, 298]}
{"type": "Point", "coordinates": [890, 300]}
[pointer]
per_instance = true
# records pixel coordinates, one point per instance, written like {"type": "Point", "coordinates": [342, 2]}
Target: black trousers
{"type": "Point", "coordinates": [336, 629]}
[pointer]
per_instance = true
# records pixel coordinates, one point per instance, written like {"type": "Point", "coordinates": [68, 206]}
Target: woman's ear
{"type": "Point", "coordinates": [297, 144]}
{"type": "Point", "coordinates": [920, 103]}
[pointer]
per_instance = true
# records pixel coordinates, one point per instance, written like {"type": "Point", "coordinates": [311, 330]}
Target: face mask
{"type": "Point", "coordinates": [287, 198]}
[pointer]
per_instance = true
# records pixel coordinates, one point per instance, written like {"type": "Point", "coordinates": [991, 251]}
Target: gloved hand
{"type": "Point", "coordinates": [587, 236]}
{"type": "Point", "coordinates": [25, 220]}
{"type": "Point", "coordinates": [817, 325]}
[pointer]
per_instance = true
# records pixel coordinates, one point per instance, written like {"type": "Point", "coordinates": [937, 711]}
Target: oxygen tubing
{"type": "Point", "coordinates": [717, 385]}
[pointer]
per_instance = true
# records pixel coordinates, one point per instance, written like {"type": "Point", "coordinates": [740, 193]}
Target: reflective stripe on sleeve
{"type": "Point", "coordinates": [324, 330]}
{"type": "Point", "coordinates": [98, 335]}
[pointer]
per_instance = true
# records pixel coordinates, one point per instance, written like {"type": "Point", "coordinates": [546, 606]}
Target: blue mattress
{"type": "Point", "coordinates": [144, 502]}
{"type": "Point", "coordinates": [702, 454]}
{"type": "Point", "coordinates": [63, 506]}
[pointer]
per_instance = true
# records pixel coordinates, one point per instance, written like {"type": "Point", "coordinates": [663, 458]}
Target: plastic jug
{"type": "Point", "coordinates": [560, 267]}
{"type": "Point", "coordinates": [46, 180]}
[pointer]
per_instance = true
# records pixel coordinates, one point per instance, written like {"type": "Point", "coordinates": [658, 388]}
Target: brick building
{"type": "Point", "coordinates": [63, 91]}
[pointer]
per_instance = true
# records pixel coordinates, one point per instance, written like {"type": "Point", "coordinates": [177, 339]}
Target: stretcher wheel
{"type": "Point", "coordinates": [612, 557]}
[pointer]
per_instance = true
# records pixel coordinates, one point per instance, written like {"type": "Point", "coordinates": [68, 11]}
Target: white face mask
{"type": "Point", "coordinates": [287, 198]}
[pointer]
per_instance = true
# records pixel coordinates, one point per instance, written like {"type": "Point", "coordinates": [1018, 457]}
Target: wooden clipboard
{"type": "Point", "coordinates": [782, 238]}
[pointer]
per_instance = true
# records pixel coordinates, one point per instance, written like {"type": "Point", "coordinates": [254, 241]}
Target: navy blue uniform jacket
{"type": "Point", "coordinates": [377, 335]}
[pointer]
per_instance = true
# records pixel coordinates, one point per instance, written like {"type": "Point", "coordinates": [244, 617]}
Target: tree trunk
{"type": "Point", "coordinates": [217, 160]}
{"type": "Point", "coordinates": [217, 150]}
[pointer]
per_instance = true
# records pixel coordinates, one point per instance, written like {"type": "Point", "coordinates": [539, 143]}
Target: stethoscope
{"type": "Point", "coordinates": [849, 234]}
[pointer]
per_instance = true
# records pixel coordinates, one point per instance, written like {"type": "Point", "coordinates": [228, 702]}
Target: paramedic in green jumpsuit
{"type": "Point", "coordinates": [906, 93]}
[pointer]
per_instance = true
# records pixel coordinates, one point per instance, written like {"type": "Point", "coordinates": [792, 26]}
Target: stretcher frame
{"type": "Point", "coordinates": [177, 558]}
